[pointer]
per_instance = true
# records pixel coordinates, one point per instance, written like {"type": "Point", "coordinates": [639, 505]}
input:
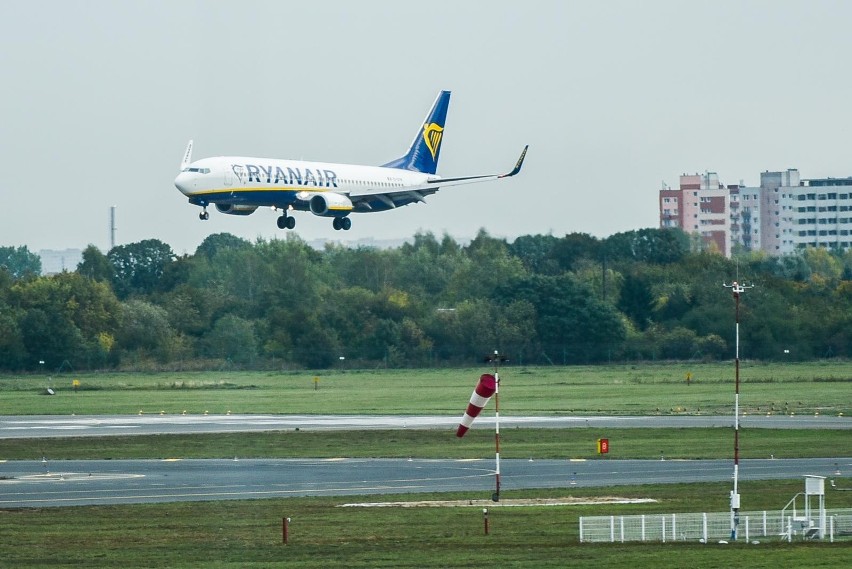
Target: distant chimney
{"type": "Point", "coordinates": [111, 227]}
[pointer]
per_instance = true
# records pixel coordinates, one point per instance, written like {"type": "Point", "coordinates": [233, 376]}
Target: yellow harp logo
{"type": "Point", "coordinates": [432, 134]}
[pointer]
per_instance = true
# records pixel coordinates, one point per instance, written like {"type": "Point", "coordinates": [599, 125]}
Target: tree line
{"type": "Point", "coordinates": [540, 299]}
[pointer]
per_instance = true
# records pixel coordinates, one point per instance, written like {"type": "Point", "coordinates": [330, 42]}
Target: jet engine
{"type": "Point", "coordinates": [330, 204]}
{"type": "Point", "coordinates": [232, 209]}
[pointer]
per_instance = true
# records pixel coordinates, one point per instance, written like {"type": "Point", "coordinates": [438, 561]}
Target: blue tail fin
{"type": "Point", "coordinates": [423, 154]}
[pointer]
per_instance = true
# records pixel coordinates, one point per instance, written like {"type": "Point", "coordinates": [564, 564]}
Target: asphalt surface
{"type": "Point", "coordinates": [32, 426]}
{"type": "Point", "coordinates": [27, 484]}
{"type": "Point", "coordinates": [70, 483]}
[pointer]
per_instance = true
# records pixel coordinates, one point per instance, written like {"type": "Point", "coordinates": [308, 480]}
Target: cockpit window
{"type": "Point", "coordinates": [199, 170]}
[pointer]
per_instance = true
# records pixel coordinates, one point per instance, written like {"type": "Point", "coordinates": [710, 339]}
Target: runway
{"type": "Point", "coordinates": [28, 484]}
{"type": "Point", "coordinates": [31, 426]}
{"type": "Point", "coordinates": [72, 483]}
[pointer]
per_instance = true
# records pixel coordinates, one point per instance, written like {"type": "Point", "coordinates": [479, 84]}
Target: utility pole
{"type": "Point", "coordinates": [737, 289]}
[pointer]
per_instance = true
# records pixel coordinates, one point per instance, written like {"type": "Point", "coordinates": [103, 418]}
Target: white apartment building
{"type": "Point", "coordinates": [823, 213]}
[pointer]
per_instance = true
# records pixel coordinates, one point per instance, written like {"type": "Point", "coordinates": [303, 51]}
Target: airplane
{"type": "Point", "coordinates": [238, 185]}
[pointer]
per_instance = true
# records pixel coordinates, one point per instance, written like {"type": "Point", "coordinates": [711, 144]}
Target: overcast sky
{"type": "Point", "coordinates": [99, 99]}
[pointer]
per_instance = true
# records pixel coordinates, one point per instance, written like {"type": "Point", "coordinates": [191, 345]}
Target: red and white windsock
{"type": "Point", "coordinates": [481, 395]}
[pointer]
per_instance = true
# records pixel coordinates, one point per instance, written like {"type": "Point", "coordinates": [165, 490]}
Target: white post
{"type": "Point", "coordinates": [581, 529]}
{"type": "Point", "coordinates": [612, 529]}
{"type": "Point", "coordinates": [621, 523]}
{"type": "Point", "coordinates": [663, 527]}
{"type": "Point", "coordinates": [643, 527]}
{"type": "Point", "coordinates": [746, 527]}
{"type": "Point", "coordinates": [704, 526]}
{"type": "Point", "coordinates": [497, 433]}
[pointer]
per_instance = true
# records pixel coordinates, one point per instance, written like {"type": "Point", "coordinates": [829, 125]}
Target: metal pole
{"type": "Point", "coordinates": [737, 289]}
{"type": "Point", "coordinates": [735, 497]}
{"type": "Point", "coordinates": [496, 359]}
{"type": "Point", "coordinates": [496, 496]}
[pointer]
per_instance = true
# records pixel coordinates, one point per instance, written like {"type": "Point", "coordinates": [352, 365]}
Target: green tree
{"type": "Point", "coordinates": [536, 252]}
{"type": "Point", "coordinates": [78, 310]}
{"type": "Point", "coordinates": [49, 337]}
{"type": "Point", "coordinates": [13, 353]}
{"type": "Point", "coordinates": [571, 323]}
{"type": "Point", "coordinates": [488, 264]}
{"type": "Point", "coordinates": [19, 262]}
{"type": "Point", "coordinates": [217, 242]}
{"type": "Point", "coordinates": [144, 330]}
{"type": "Point", "coordinates": [95, 265]}
{"type": "Point", "coordinates": [139, 266]}
{"type": "Point", "coordinates": [574, 247]}
{"type": "Point", "coordinates": [316, 346]}
{"type": "Point", "coordinates": [636, 300]}
{"type": "Point", "coordinates": [658, 246]}
{"type": "Point", "coordinates": [232, 338]}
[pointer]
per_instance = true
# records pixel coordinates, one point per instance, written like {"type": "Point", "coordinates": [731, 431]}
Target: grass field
{"type": "Point", "coordinates": [477, 443]}
{"type": "Point", "coordinates": [243, 534]}
{"type": "Point", "coordinates": [237, 534]}
{"type": "Point", "coordinates": [638, 389]}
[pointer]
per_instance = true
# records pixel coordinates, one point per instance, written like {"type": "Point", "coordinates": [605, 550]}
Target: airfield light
{"type": "Point", "coordinates": [737, 289]}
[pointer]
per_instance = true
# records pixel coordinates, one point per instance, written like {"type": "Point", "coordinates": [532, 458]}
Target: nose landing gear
{"type": "Point", "coordinates": [204, 216]}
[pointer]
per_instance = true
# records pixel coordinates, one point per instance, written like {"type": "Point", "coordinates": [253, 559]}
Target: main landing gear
{"type": "Point", "coordinates": [286, 222]}
{"type": "Point", "coordinates": [204, 216]}
{"type": "Point", "coordinates": [343, 223]}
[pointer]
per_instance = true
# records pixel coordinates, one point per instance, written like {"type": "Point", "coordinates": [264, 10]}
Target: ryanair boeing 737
{"type": "Point", "coordinates": [239, 185]}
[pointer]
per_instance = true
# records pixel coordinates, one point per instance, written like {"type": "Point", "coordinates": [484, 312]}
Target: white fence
{"type": "Point", "coordinates": [708, 527]}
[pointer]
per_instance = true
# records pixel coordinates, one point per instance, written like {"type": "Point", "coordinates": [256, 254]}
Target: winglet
{"type": "Point", "coordinates": [520, 163]}
{"type": "Point", "coordinates": [187, 156]}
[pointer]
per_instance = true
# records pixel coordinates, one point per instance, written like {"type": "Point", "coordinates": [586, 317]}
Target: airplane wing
{"type": "Point", "coordinates": [394, 198]}
{"type": "Point", "coordinates": [471, 179]}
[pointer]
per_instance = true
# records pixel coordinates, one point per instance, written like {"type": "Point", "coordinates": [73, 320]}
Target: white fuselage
{"type": "Point", "coordinates": [247, 181]}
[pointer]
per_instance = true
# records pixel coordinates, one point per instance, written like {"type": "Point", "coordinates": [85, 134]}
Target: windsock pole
{"type": "Point", "coordinates": [496, 359]}
{"type": "Point", "coordinates": [496, 496]}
